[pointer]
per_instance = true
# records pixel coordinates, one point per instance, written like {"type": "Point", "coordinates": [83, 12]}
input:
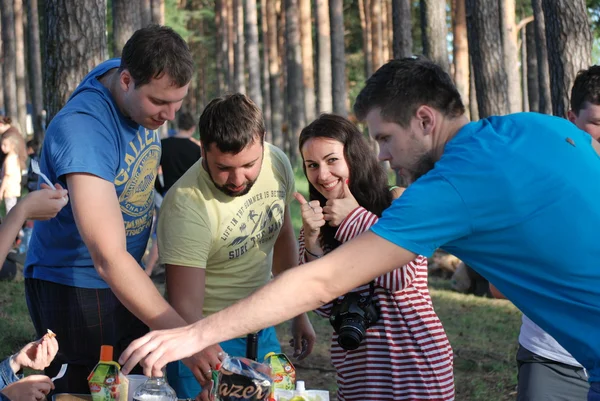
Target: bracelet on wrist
{"type": "Point", "coordinates": [312, 254]}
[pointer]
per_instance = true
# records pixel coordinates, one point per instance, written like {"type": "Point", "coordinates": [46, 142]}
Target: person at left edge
{"type": "Point", "coordinates": [83, 277]}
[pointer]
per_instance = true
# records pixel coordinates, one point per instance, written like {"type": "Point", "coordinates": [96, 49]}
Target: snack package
{"type": "Point", "coordinates": [283, 372]}
{"type": "Point", "coordinates": [241, 379]}
{"type": "Point", "coordinates": [106, 381]}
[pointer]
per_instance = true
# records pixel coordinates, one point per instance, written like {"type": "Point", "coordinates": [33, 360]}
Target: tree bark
{"type": "Point", "coordinates": [306, 47]}
{"type": "Point", "coordinates": [274, 74]}
{"type": "Point", "coordinates": [231, 34]}
{"type": "Point", "coordinates": [461, 51]}
{"type": "Point", "coordinates": [158, 12]}
{"type": "Point", "coordinates": [253, 59]}
{"type": "Point", "coordinates": [20, 67]}
{"type": "Point", "coordinates": [324, 100]}
{"type": "Point", "coordinates": [221, 46]}
{"type": "Point", "coordinates": [511, 56]}
{"type": "Point", "coordinates": [485, 49]}
{"type": "Point", "coordinates": [266, 84]}
{"type": "Point", "coordinates": [473, 108]}
{"type": "Point", "coordinates": [434, 31]}
{"type": "Point", "coordinates": [126, 20]}
{"type": "Point", "coordinates": [569, 41]}
{"type": "Point", "coordinates": [385, 32]}
{"type": "Point", "coordinates": [402, 23]}
{"type": "Point", "coordinates": [524, 71]}
{"type": "Point", "coordinates": [239, 62]}
{"type": "Point", "coordinates": [545, 103]}
{"type": "Point", "coordinates": [533, 88]}
{"type": "Point", "coordinates": [338, 63]}
{"type": "Point", "coordinates": [35, 68]}
{"type": "Point", "coordinates": [2, 110]}
{"type": "Point", "coordinates": [75, 44]}
{"type": "Point", "coordinates": [9, 78]}
{"type": "Point", "coordinates": [367, 35]}
{"type": "Point", "coordinates": [295, 94]}
{"type": "Point", "coordinates": [376, 33]}
{"type": "Point", "coordinates": [145, 12]}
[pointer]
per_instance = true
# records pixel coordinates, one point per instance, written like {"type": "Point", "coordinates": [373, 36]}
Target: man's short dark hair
{"type": "Point", "coordinates": [401, 86]}
{"type": "Point", "coordinates": [586, 88]}
{"type": "Point", "coordinates": [232, 122]}
{"type": "Point", "coordinates": [154, 51]}
{"type": "Point", "coordinates": [186, 121]}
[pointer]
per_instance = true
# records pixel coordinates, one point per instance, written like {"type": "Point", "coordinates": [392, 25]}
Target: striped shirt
{"type": "Point", "coordinates": [406, 354]}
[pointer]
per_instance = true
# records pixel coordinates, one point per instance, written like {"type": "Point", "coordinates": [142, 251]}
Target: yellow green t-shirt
{"type": "Point", "coordinates": [231, 237]}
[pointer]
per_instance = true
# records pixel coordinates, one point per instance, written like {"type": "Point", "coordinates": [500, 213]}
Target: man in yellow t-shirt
{"type": "Point", "coordinates": [224, 227]}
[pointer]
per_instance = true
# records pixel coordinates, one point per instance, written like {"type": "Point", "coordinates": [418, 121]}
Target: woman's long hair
{"type": "Point", "coordinates": [368, 179]}
{"type": "Point", "coordinates": [16, 139]}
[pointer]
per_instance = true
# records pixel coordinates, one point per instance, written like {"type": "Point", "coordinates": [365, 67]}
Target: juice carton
{"type": "Point", "coordinates": [283, 372]}
{"type": "Point", "coordinates": [106, 381]}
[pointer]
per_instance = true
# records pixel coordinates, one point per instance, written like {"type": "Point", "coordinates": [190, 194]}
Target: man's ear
{"type": "Point", "coordinates": [427, 119]}
{"type": "Point", "coordinates": [571, 116]}
{"type": "Point", "coordinates": [126, 80]}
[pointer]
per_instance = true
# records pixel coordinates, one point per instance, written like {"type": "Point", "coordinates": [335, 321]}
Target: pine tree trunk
{"type": "Point", "coordinates": [306, 46]}
{"type": "Point", "coordinates": [2, 110]}
{"type": "Point", "coordinates": [524, 71]}
{"type": "Point", "coordinates": [158, 12]}
{"type": "Point", "coordinates": [402, 23]}
{"type": "Point", "coordinates": [385, 32]}
{"type": "Point", "coordinates": [295, 94]}
{"type": "Point", "coordinates": [376, 33]}
{"type": "Point", "coordinates": [367, 35]}
{"type": "Point", "coordinates": [569, 41]}
{"type": "Point", "coordinates": [434, 31]}
{"type": "Point", "coordinates": [35, 68]}
{"type": "Point", "coordinates": [231, 34]}
{"type": "Point", "coordinates": [274, 74]}
{"type": "Point", "coordinates": [511, 56]}
{"type": "Point", "coordinates": [75, 44]}
{"type": "Point", "coordinates": [125, 14]}
{"type": "Point", "coordinates": [9, 78]}
{"type": "Point", "coordinates": [145, 13]}
{"type": "Point", "coordinates": [485, 49]}
{"type": "Point", "coordinates": [461, 51]}
{"type": "Point", "coordinates": [220, 46]}
{"type": "Point", "coordinates": [239, 62]}
{"type": "Point", "coordinates": [324, 100]}
{"type": "Point", "coordinates": [533, 88]}
{"type": "Point", "coordinates": [545, 104]}
{"type": "Point", "coordinates": [20, 66]}
{"type": "Point", "coordinates": [473, 108]}
{"type": "Point", "coordinates": [338, 62]}
{"type": "Point", "coordinates": [266, 80]}
{"type": "Point", "coordinates": [253, 59]}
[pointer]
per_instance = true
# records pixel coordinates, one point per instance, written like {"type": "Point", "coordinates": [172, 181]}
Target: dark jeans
{"type": "Point", "coordinates": [83, 320]}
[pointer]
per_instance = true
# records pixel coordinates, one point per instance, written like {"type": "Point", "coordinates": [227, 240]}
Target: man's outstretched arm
{"type": "Point", "coordinates": [293, 292]}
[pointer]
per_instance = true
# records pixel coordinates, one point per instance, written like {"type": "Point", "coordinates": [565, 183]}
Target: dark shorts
{"type": "Point", "coordinates": [83, 320]}
{"type": "Point", "coordinates": [542, 379]}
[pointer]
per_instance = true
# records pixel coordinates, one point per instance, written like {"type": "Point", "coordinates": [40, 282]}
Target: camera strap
{"type": "Point", "coordinates": [372, 288]}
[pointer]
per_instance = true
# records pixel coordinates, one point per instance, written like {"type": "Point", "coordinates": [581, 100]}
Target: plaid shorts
{"type": "Point", "coordinates": [83, 320]}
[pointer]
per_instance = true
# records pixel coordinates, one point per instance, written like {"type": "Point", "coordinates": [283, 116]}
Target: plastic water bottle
{"type": "Point", "coordinates": [24, 245]}
{"type": "Point", "coordinates": [155, 389]}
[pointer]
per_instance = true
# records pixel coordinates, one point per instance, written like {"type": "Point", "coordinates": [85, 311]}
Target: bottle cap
{"type": "Point", "coordinates": [300, 385]}
{"type": "Point", "coordinates": [106, 353]}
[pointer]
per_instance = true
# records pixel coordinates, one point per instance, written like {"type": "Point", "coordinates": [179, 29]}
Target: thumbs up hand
{"type": "Point", "coordinates": [312, 216]}
{"type": "Point", "coordinates": [336, 210]}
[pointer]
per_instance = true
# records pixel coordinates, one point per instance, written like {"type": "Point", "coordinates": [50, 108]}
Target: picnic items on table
{"type": "Point", "coordinates": [283, 372]}
{"type": "Point", "coordinates": [106, 381]}
{"type": "Point", "coordinates": [300, 394]}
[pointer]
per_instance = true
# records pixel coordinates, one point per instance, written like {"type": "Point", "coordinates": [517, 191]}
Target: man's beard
{"type": "Point", "coordinates": [224, 188]}
{"type": "Point", "coordinates": [421, 167]}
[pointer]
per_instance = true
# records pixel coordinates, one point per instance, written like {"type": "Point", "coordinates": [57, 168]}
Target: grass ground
{"type": "Point", "coordinates": [483, 333]}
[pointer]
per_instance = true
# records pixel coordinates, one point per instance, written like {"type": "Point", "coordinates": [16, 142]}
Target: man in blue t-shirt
{"type": "Point", "coordinates": [515, 197]}
{"type": "Point", "coordinates": [83, 276]}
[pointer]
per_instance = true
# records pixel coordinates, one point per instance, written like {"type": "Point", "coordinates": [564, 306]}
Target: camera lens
{"type": "Point", "coordinates": [350, 335]}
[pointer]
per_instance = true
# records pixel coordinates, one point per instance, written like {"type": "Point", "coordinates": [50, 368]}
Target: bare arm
{"type": "Point", "coordinates": [98, 216]}
{"type": "Point", "coordinates": [297, 290]}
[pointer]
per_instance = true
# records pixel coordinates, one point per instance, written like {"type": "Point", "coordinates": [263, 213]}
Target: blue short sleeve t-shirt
{"type": "Point", "coordinates": [90, 135]}
{"type": "Point", "coordinates": [518, 199]}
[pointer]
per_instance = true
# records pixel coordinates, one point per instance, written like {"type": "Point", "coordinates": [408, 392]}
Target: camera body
{"type": "Point", "coordinates": [351, 317]}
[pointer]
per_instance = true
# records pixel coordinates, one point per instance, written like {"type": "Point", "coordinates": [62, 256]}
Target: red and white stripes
{"type": "Point", "coordinates": [406, 354]}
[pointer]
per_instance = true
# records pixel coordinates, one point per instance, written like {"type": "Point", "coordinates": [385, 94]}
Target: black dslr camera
{"type": "Point", "coordinates": [352, 316]}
